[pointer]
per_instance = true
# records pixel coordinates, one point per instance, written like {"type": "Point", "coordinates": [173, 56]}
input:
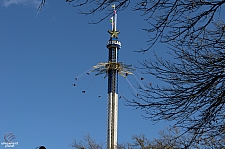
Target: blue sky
{"type": "Point", "coordinates": [41, 52]}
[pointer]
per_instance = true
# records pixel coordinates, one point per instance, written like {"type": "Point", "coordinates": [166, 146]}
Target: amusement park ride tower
{"type": "Point", "coordinates": [112, 68]}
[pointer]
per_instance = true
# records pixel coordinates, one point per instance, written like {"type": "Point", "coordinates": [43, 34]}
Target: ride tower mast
{"type": "Point", "coordinates": [112, 68]}
{"type": "Point", "coordinates": [113, 45]}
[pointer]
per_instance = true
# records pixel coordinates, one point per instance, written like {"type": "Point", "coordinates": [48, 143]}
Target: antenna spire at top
{"type": "Point", "coordinates": [113, 21]}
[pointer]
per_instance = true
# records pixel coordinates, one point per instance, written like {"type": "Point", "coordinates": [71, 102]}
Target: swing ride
{"type": "Point", "coordinates": [137, 78]}
{"type": "Point", "coordinates": [111, 69]}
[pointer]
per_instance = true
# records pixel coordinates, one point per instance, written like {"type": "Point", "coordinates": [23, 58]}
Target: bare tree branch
{"type": "Point", "coordinates": [194, 93]}
{"type": "Point", "coordinates": [41, 5]}
{"type": "Point", "coordinates": [169, 21]}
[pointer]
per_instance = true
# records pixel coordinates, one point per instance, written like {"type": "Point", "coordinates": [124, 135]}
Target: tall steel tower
{"type": "Point", "coordinates": [112, 68]}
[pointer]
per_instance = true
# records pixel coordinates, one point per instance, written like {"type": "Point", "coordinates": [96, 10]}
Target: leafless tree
{"type": "Point", "coordinates": [170, 138]}
{"type": "Point", "coordinates": [88, 143]}
{"type": "Point", "coordinates": [193, 93]}
{"type": "Point", "coordinates": [194, 90]}
{"type": "Point", "coordinates": [170, 21]}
